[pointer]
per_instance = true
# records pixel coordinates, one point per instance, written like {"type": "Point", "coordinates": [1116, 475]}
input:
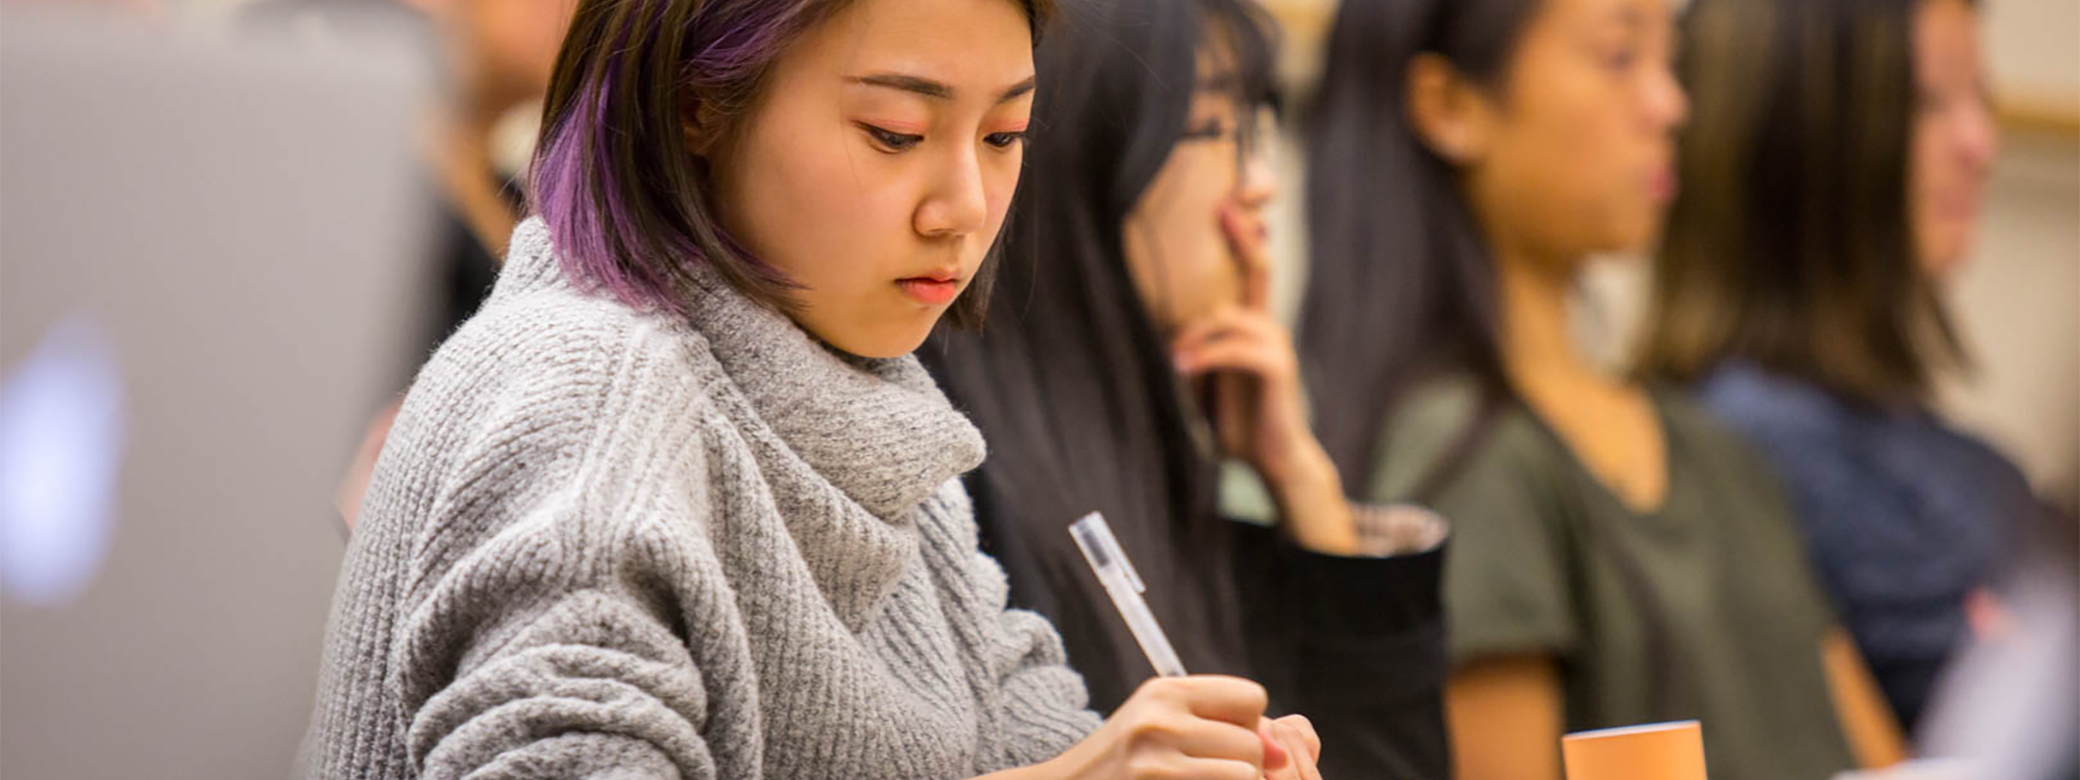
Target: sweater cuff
{"type": "Point", "coordinates": [1337, 601]}
{"type": "Point", "coordinates": [1371, 630]}
{"type": "Point", "coordinates": [1355, 601]}
{"type": "Point", "coordinates": [1344, 635]}
{"type": "Point", "coordinates": [1397, 529]}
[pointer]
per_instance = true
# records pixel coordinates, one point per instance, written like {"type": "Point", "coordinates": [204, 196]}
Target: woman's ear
{"type": "Point", "coordinates": [700, 125]}
{"type": "Point", "coordinates": [1451, 114]}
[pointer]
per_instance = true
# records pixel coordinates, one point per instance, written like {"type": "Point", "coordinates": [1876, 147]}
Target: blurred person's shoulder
{"type": "Point", "coordinates": [1757, 403]}
{"type": "Point", "coordinates": [1445, 430]}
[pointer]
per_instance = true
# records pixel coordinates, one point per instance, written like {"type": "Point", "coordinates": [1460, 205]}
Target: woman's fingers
{"type": "Point", "coordinates": [1226, 699]}
{"type": "Point", "coordinates": [1277, 754]}
{"type": "Point", "coordinates": [1250, 357]}
{"type": "Point", "coordinates": [1215, 769]}
{"type": "Point", "coordinates": [1222, 741]}
{"type": "Point", "coordinates": [1247, 243]}
{"type": "Point", "coordinates": [1305, 729]}
{"type": "Point", "coordinates": [1226, 323]}
{"type": "Point", "coordinates": [1238, 341]}
{"type": "Point", "coordinates": [1175, 727]}
{"type": "Point", "coordinates": [1227, 331]}
{"type": "Point", "coordinates": [1296, 744]}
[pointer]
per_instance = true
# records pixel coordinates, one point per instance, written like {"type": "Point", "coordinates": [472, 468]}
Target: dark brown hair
{"type": "Point", "coordinates": [1401, 286]}
{"type": "Point", "coordinates": [628, 205]}
{"type": "Point", "coordinates": [1791, 245]}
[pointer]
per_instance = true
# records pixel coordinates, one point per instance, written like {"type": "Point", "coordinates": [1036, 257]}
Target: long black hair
{"type": "Point", "coordinates": [1069, 378]}
{"type": "Point", "coordinates": [1401, 285]}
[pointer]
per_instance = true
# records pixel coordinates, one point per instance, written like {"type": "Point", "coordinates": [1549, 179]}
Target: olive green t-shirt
{"type": "Point", "coordinates": [1704, 609]}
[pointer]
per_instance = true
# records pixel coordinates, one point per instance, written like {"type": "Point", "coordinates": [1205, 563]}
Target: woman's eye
{"type": "Point", "coordinates": [1004, 140]}
{"type": "Point", "coordinates": [1209, 130]}
{"type": "Point", "coordinates": [892, 141]}
{"type": "Point", "coordinates": [1621, 61]}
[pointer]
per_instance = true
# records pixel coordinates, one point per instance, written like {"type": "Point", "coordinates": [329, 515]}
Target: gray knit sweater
{"type": "Point", "coordinates": [608, 543]}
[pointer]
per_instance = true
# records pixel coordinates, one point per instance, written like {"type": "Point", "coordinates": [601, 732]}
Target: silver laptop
{"type": "Point", "coordinates": [206, 287]}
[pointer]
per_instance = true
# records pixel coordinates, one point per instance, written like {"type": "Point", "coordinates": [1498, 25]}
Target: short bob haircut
{"type": "Point", "coordinates": [629, 207]}
{"type": "Point", "coordinates": [1791, 245]}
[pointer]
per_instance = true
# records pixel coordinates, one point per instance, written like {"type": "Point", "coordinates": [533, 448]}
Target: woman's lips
{"type": "Point", "coordinates": [1957, 205]}
{"type": "Point", "coordinates": [1662, 185]}
{"type": "Point", "coordinates": [931, 291]}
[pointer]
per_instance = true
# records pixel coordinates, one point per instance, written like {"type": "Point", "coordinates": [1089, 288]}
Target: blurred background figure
{"type": "Point", "coordinates": [495, 58]}
{"type": "Point", "coordinates": [2009, 706]}
{"type": "Point", "coordinates": [1831, 192]}
{"type": "Point", "coordinates": [1131, 346]}
{"type": "Point", "coordinates": [2015, 307]}
{"type": "Point", "coordinates": [2006, 708]}
{"type": "Point", "coordinates": [1618, 558]}
{"type": "Point", "coordinates": [188, 349]}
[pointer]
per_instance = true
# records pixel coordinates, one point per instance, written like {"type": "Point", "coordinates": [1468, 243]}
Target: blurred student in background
{"type": "Point", "coordinates": [2005, 706]}
{"type": "Point", "coordinates": [1833, 179]}
{"type": "Point", "coordinates": [1130, 347]}
{"type": "Point", "coordinates": [1617, 557]}
{"type": "Point", "coordinates": [495, 56]}
{"type": "Point", "coordinates": [678, 502]}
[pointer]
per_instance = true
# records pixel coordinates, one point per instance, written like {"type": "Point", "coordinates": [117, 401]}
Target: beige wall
{"type": "Point", "coordinates": [2019, 308]}
{"type": "Point", "coordinates": [2031, 47]}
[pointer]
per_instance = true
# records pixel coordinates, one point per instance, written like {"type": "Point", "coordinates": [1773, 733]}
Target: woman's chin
{"type": "Point", "coordinates": [889, 342]}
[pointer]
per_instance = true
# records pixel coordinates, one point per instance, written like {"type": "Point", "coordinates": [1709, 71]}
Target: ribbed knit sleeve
{"type": "Point", "coordinates": [546, 606]}
{"type": "Point", "coordinates": [1033, 705]}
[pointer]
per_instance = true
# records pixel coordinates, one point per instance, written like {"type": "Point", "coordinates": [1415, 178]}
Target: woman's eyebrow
{"type": "Point", "coordinates": [917, 85]}
{"type": "Point", "coordinates": [929, 88]}
{"type": "Point", "coordinates": [1222, 81]}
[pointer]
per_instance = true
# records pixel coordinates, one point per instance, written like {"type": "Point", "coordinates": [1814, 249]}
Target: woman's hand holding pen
{"type": "Point", "coordinates": [1208, 726]}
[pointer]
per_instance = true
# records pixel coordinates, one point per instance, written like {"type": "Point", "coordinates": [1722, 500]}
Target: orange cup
{"type": "Point", "coordinates": [1656, 751]}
